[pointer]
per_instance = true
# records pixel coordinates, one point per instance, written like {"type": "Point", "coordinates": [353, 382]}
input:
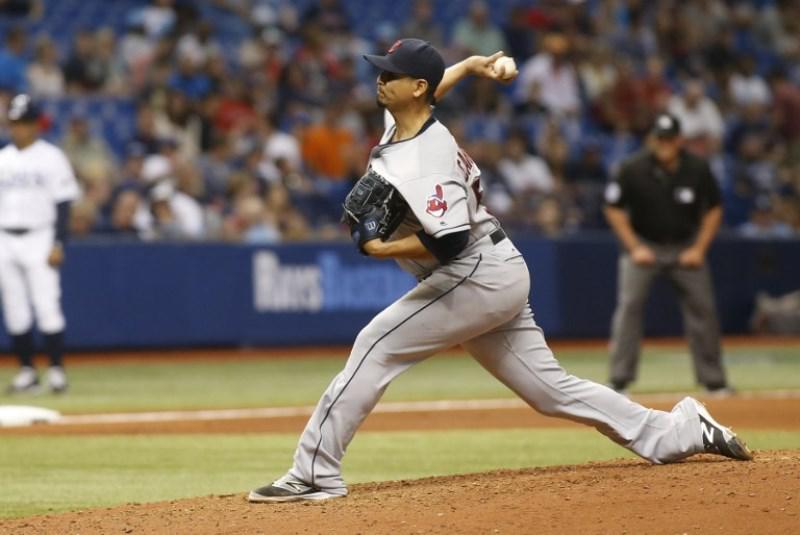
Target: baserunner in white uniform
{"type": "Point", "coordinates": [37, 186]}
{"type": "Point", "coordinates": [473, 291]}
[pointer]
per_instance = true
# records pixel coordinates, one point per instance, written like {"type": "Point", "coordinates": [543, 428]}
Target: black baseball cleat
{"type": "Point", "coordinates": [718, 439]}
{"type": "Point", "coordinates": [289, 489]}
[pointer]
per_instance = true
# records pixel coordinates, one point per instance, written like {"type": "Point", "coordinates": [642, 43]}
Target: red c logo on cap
{"type": "Point", "coordinates": [395, 46]}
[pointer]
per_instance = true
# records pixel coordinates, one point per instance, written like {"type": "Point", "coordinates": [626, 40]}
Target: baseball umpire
{"type": "Point", "coordinates": [420, 203]}
{"type": "Point", "coordinates": [664, 206]}
{"type": "Point", "coordinates": [37, 186]}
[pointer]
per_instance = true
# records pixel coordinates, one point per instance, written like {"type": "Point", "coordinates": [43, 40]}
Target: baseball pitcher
{"type": "Point", "coordinates": [473, 291]}
{"type": "Point", "coordinates": [37, 186]}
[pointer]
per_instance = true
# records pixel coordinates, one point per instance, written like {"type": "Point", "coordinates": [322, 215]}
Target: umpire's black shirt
{"type": "Point", "coordinates": [664, 207]}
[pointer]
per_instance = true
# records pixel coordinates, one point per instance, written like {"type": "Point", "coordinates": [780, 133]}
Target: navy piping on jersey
{"type": "Point", "coordinates": [425, 126]}
{"type": "Point", "coordinates": [364, 358]}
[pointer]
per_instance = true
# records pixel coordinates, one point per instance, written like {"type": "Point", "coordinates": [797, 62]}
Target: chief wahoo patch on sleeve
{"type": "Point", "coordinates": [437, 206]}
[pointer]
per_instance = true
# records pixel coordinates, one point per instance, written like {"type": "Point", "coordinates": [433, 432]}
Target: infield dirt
{"type": "Point", "coordinates": [700, 496]}
{"type": "Point", "coordinates": [703, 495]}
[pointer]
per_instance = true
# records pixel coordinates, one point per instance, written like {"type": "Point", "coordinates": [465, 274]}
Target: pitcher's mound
{"type": "Point", "coordinates": [703, 495]}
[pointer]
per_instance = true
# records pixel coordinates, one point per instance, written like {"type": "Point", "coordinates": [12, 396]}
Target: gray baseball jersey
{"type": "Point", "coordinates": [480, 301]}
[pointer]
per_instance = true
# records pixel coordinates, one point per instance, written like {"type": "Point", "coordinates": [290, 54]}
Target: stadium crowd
{"type": "Point", "coordinates": [260, 144]}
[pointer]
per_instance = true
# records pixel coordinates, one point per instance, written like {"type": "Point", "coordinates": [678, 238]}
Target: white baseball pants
{"type": "Point", "coordinates": [28, 284]}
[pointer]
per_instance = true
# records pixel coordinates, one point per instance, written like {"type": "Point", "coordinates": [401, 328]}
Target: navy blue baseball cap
{"type": "Point", "coordinates": [22, 108]}
{"type": "Point", "coordinates": [412, 57]}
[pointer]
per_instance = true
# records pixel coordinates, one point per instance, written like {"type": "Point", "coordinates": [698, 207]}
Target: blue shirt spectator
{"type": "Point", "coordinates": [13, 64]}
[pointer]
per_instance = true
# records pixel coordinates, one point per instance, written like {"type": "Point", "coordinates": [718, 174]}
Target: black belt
{"type": "Point", "coordinates": [15, 231]}
{"type": "Point", "coordinates": [497, 236]}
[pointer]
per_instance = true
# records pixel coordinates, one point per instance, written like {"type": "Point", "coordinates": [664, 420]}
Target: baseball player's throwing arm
{"type": "Point", "coordinates": [482, 66]}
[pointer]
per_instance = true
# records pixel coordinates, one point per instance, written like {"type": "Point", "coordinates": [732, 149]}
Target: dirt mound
{"type": "Point", "coordinates": [703, 495]}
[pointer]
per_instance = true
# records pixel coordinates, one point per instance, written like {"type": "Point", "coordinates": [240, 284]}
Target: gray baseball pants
{"type": "Point", "coordinates": [480, 302]}
{"type": "Point", "coordinates": [696, 295]}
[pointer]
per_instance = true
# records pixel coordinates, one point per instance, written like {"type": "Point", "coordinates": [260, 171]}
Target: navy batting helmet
{"type": "Point", "coordinates": [23, 108]}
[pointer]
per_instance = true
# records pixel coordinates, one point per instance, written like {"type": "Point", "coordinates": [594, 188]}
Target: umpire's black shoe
{"type": "Point", "coordinates": [719, 439]}
{"type": "Point", "coordinates": [289, 489]}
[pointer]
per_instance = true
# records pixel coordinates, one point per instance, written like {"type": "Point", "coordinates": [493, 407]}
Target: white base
{"type": "Point", "coordinates": [22, 415]}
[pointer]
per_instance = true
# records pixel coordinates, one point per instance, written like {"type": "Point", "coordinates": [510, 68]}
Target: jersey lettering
{"type": "Point", "coordinates": [467, 164]}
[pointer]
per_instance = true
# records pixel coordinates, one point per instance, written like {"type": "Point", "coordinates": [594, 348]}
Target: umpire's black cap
{"type": "Point", "coordinates": [22, 108]}
{"type": "Point", "coordinates": [413, 57]}
{"type": "Point", "coordinates": [667, 126]}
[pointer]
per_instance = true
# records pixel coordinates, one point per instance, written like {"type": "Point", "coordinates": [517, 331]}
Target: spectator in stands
{"type": "Point", "coordinates": [199, 44]}
{"type": "Point", "coordinates": [92, 160]}
{"type": "Point", "coordinates": [13, 65]}
{"type": "Point", "coordinates": [157, 19]}
{"type": "Point", "coordinates": [518, 34]}
{"type": "Point", "coordinates": [45, 78]}
{"type": "Point", "coordinates": [293, 225]}
{"type": "Point", "coordinates": [279, 146]}
{"type": "Point", "coordinates": [764, 222]}
{"type": "Point", "coordinates": [523, 172]}
{"type": "Point", "coordinates": [746, 87]}
{"type": "Point", "coordinates": [32, 9]}
{"type": "Point", "coordinates": [786, 112]}
{"type": "Point", "coordinates": [597, 73]}
{"type": "Point", "coordinates": [190, 79]}
{"type": "Point", "coordinates": [85, 71]}
{"type": "Point", "coordinates": [125, 219]}
{"type": "Point", "coordinates": [215, 166]}
{"type": "Point", "coordinates": [234, 107]}
{"type": "Point", "coordinates": [179, 122]}
{"type": "Point", "coordinates": [85, 151]}
{"type": "Point", "coordinates": [476, 33]}
{"type": "Point", "coordinates": [548, 80]}
{"type": "Point", "coordinates": [293, 72]}
{"type": "Point", "coordinates": [145, 130]}
{"type": "Point", "coordinates": [655, 89]}
{"type": "Point", "coordinates": [83, 218]}
{"type": "Point", "coordinates": [700, 118]}
{"type": "Point", "coordinates": [130, 174]}
{"type": "Point", "coordinates": [779, 26]}
{"type": "Point", "coordinates": [422, 24]}
{"type": "Point", "coordinates": [250, 222]}
{"type": "Point", "coordinates": [753, 164]}
{"type": "Point", "coordinates": [329, 16]}
{"type": "Point", "coordinates": [623, 104]}
{"type": "Point", "coordinates": [549, 217]}
{"type": "Point", "coordinates": [586, 176]}
{"type": "Point", "coordinates": [327, 147]}
{"type": "Point", "coordinates": [175, 215]}
{"type": "Point", "coordinates": [719, 55]}
{"type": "Point", "coordinates": [136, 53]}
{"type": "Point", "coordinates": [116, 82]}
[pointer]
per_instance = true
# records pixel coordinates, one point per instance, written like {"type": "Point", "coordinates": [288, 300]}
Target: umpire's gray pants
{"type": "Point", "coordinates": [696, 295]}
{"type": "Point", "coordinates": [479, 301]}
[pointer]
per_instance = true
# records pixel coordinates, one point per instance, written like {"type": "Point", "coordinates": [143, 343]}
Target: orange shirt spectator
{"type": "Point", "coordinates": [328, 148]}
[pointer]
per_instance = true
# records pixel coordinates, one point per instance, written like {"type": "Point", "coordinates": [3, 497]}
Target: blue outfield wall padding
{"type": "Point", "coordinates": [133, 295]}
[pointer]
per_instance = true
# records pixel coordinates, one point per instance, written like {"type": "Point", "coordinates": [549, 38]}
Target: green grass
{"type": "Point", "coordinates": [275, 382]}
{"type": "Point", "coordinates": [41, 474]}
{"type": "Point", "coordinates": [44, 474]}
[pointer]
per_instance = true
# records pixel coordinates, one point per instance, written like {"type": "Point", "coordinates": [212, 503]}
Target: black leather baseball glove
{"type": "Point", "coordinates": [373, 209]}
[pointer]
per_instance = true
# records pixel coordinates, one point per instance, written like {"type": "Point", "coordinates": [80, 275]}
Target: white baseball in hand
{"type": "Point", "coordinates": [506, 68]}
